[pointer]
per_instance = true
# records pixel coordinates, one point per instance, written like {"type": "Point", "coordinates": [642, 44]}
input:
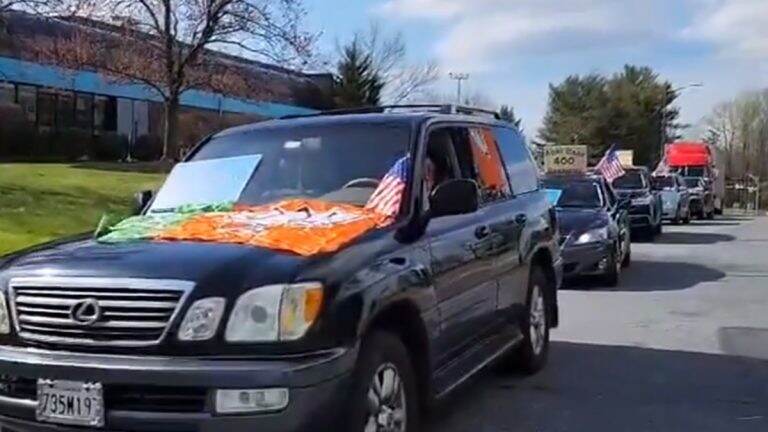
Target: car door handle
{"type": "Point", "coordinates": [482, 232]}
{"type": "Point", "coordinates": [521, 219]}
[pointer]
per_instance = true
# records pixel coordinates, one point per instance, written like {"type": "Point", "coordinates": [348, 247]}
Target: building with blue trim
{"type": "Point", "coordinates": [53, 98]}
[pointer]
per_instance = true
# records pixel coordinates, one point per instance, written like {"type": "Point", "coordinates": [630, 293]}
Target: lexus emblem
{"type": "Point", "coordinates": [85, 312]}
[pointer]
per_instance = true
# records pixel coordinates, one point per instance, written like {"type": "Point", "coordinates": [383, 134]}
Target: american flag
{"type": "Point", "coordinates": [387, 197]}
{"type": "Point", "coordinates": [610, 166]}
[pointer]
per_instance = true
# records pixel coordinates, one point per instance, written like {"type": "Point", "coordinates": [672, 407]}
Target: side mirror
{"type": "Point", "coordinates": [142, 200]}
{"type": "Point", "coordinates": [454, 197]}
{"type": "Point", "coordinates": [624, 204]}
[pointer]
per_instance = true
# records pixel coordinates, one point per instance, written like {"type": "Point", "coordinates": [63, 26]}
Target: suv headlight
{"type": "Point", "coordinates": [202, 319]}
{"type": "Point", "coordinates": [642, 200]}
{"type": "Point", "coordinates": [593, 235]}
{"type": "Point", "coordinates": [275, 313]}
{"type": "Point", "coordinates": [5, 323]}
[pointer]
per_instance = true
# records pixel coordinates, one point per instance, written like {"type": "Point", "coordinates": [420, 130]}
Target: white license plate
{"type": "Point", "coordinates": [70, 402]}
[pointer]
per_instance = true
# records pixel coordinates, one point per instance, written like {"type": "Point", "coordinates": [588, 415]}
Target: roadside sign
{"type": "Point", "coordinates": [626, 157]}
{"type": "Point", "coordinates": [572, 158]}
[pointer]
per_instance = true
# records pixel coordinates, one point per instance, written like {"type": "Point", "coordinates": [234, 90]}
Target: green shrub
{"type": "Point", "coordinates": [108, 146]}
{"type": "Point", "coordinates": [147, 148]}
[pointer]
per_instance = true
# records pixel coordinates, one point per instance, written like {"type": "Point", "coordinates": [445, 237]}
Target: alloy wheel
{"type": "Point", "coordinates": [537, 320]}
{"type": "Point", "coordinates": [387, 409]}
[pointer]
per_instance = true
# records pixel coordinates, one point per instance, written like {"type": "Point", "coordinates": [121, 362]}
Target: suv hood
{"type": "Point", "coordinates": [632, 193]}
{"type": "Point", "coordinates": [203, 263]}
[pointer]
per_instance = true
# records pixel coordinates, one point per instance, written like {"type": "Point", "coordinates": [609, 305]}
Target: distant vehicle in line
{"type": "Point", "coordinates": [645, 204]}
{"type": "Point", "coordinates": [698, 159]}
{"type": "Point", "coordinates": [675, 198]}
{"type": "Point", "coordinates": [594, 226]}
{"type": "Point", "coordinates": [702, 201]}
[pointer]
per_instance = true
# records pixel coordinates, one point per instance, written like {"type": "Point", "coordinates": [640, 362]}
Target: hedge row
{"type": "Point", "coordinates": [22, 141]}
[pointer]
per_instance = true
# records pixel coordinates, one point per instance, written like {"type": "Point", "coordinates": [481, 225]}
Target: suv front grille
{"type": "Point", "coordinates": [125, 312]}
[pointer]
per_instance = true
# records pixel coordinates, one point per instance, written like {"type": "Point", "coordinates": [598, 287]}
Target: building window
{"type": "Point", "coordinates": [7, 94]}
{"type": "Point", "coordinates": [46, 109]}
{"type": "Point", "coordinates": [65, 110]}
{"type": "Point", "coordinates": [84, 111]}
{"type": "Point", "coordinates": [105, 114]}
{"type": "Point", "coordinates": [27, 98]}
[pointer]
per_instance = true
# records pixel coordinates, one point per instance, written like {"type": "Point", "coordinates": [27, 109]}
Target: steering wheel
{"type": "Point", "coordinates": [362, 182]}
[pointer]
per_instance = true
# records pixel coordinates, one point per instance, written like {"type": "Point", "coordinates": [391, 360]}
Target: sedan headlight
{"type": "Point", "coordinates": [593, 235]}
{"type": "Point", "coordinates": [642, 200]}
{"type": "Point", "coordinates": [202, 319]}
{"type": "Point", "coordinates": [275, 313]}
{"type": "Point", "coordinates": [5, 323]}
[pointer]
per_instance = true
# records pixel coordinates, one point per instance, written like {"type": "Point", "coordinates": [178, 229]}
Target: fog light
{"type": "Point", "coordinates": [603, 264]}
{"type": "Point", "coordinates": [250, 401]}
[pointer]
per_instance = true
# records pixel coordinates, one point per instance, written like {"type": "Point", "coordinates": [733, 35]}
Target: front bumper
{"type": "Point", "coordinates": [580, 260]}
{"type": "Point", "coordinates": [640, 216]}
{"type": "Point", "coordinates": [314, 381]}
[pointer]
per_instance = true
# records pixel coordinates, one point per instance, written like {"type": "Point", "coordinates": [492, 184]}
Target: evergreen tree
{"type": "Point", "coordinates": [358, 85]}
{"type": "Point", "coordinates": [507, 113]}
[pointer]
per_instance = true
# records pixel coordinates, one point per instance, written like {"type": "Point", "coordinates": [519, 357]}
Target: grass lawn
{"type": "Point", "coordinates": [39, 202]}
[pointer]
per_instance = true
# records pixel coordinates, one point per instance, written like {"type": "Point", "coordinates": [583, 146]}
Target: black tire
{"type": "Point", "coordinates": [711, 215]}
{"type": "Point", "coordinates": [658, 229]}
{"type": "Point", "coordinates": [611, 276]}
{"type": "Point", "coordinates": [627, 261]}
{"type": "Point", "coordinates": [381, 350]}
{"type": "Point", "coordinates": [687, 218]}
{"type": "Point", "coordinates": [528, 358]}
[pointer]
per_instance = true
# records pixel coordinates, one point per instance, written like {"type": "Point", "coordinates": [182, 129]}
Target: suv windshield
{"type": "Point", "coordinates": [578, 194]}
{"type": "Point", "coordinates": [692, 182]}
{"type": "Point", "coordinates": [665, 182]}
{"type": "Point", "coordinates": [630, 180]}
{"type": "Point", "coordinates": [339, 163]}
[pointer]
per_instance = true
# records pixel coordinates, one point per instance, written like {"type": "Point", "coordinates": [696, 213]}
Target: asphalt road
{"type": "Point", "coordinates": [680, 345]}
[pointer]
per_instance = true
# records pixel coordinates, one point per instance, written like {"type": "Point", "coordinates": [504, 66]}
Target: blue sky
{"type": "Point", "coordinates": [513, 49]}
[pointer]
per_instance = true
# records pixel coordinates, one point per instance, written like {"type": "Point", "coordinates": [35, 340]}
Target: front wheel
{"type": "Point", "coordinates": [384, 396]}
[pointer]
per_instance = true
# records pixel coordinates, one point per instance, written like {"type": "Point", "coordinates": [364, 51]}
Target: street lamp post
{"type": "Point", "coordinates": [663, 114]}
{"type": "Point", "coordinates": [459, 77]}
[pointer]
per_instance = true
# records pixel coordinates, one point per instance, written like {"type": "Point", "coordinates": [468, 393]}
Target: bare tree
{"type": "Point", "coordinates": [169, 46]}
{"type": "Point", "coordinates": [402, 80]}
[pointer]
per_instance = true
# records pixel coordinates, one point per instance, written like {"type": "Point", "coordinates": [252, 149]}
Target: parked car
{"type": "Point", "coordinates": [675, 198]}
{"type": "Point", "coordinates": [324, 299]}
{"type": "Point", "coordinates": [593, 224]}
{"type": "Point", "coordinates": [645, 203]}
{"type": "Point", "coordinates": [702, 202]}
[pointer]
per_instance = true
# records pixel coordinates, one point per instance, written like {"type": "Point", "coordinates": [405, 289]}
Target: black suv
{"type": "Point", "coordinates": [178, 321]}
{"type": "Point", "coordinates": [645, 212]}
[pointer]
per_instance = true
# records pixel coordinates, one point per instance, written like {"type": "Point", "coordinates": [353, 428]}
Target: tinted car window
{"type": "Point", "coordinates": [609, 195]}
{"type": "Point", "coordinates": [517, 159]}
{"type": "Point", "coordinates": [311, 161]}
{"type": "Point", "coordinates": [630, 180]}
{"type": "Point", "coordinates": [576, 194]}
{"type": "Point", "coordinates": [489, 167]}
{"type": "Point", "coordinates": [664, 182]}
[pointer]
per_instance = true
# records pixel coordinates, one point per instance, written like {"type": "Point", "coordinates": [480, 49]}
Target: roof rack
{"type": "Point", "coordinates": [436, 108]}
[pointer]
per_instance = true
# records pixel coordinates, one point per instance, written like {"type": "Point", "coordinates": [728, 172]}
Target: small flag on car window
{"type": "Point", "coordinates": [610, 165]}
{"type": "Point", "coordinates": [388, 195]}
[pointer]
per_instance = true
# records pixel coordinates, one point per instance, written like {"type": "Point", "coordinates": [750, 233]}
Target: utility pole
{"type": "Point", "coordinates": [459, 77]}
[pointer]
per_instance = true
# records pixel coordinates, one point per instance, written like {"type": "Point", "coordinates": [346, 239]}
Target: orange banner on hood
{"type": "Point", "coordinates": [304, 227]}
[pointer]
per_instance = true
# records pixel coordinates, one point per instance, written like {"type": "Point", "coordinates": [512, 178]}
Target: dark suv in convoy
{"type": "Point", "coordinates": [338, 271]}
{"type": "Point", "coordinates": [645, 211]}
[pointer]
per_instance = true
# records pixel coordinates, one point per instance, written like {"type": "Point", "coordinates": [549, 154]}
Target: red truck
{"type": "Point", "coordinates": [702, 166]}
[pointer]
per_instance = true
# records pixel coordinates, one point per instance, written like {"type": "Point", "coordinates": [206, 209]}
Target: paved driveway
{"type": "Point", "coordinates": [680, 345]}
